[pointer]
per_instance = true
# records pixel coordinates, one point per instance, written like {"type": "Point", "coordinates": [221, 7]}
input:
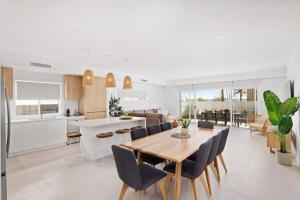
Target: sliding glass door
{"type": "Point", "coordinates": [222, 106]}
{"type": "Point", "coordinates": [243, 106]}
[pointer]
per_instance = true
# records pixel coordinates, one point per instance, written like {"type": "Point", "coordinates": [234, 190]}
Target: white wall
{"type": "Point", "coordinates": [27, 75]}
{"type": "Point", "coordinates": [278, 85]}
{"type": "Point", "coordinates": [172, 100]}
{"type": "Point", "coordinates": [293, 72]}
{"type": "Point", "coordinates": [155, 97]}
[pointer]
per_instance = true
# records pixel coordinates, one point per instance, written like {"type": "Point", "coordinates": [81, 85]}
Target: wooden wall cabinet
{"type": "Point", "coordinates": [73, 87]}
{"type": "Point", "coordinates": [93, 101]}
{"type": "Point", "coordinates": [95, 115]}
{"type": "Point", "coordinates": [8, 77]}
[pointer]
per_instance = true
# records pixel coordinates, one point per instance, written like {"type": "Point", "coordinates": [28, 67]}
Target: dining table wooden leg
{"type": "Point", "coordinates": [177, 187]}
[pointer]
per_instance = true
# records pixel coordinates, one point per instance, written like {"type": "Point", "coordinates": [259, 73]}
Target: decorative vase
{"type": "Point", "coordinates": [284, 158]}
{"type": "Point", "coordinates": [174, 124]}
{"type": "Point", "coordinates": [184, 131]}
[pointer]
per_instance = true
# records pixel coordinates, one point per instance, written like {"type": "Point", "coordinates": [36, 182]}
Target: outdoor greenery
{"type": "Point", "coordinates": [184, 123]}
{"type": "Point", "coordinates": [280, 115]}
{"type": "Point", "coordinates": [114, 109]}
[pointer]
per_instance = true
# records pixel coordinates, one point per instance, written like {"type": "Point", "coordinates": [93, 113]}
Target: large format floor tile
{"type": "Point", "coordinates": [253, 174]}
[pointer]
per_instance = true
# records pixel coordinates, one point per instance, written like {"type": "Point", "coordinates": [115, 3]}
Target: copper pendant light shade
{"type": "Point", "coordinates": [110, 81]}
{"type": "Point", "coordinates": [88, 78]}
{"type": "Point", "coordinates": [127, 83]}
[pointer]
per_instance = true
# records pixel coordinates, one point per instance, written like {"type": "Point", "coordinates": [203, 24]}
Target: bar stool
{"type": "Point", "coordinates": [123, 132]}
{"type": "Point", "coordinates": [106, 139]}
{"type": "Point", "coordinates": [73, 137]}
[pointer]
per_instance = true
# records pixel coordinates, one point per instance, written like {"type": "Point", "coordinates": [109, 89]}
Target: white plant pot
{"type": "Point", "coordinates": [184, 131]}
{"type": "Point", "coordinates": [284, 158]}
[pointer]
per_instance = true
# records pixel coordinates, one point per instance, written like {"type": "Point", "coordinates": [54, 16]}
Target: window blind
{"type": "Point", "coordinates": [37, 90]}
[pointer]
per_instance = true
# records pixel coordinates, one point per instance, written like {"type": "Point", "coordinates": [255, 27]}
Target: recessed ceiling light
{"type": "Point", "coordinates": [220, 36]}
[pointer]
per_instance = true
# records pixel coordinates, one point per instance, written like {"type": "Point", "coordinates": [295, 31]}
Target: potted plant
{"type": "Point", "coordinates": [280, 115]}
{"type": "Point", "coordinates": [184, 123]}
{"type": "Point", "coordinates": [114, 109]}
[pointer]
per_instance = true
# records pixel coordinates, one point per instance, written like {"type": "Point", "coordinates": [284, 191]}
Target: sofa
{"type": "Point", "coordinates": [151, 118]}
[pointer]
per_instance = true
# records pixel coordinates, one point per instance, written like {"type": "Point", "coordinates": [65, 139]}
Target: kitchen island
{"type": "Point", "coordinates": [93, 147]}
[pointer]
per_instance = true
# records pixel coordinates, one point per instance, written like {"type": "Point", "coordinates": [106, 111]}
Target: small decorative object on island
{"type": "Point", "coordinates": [280, 115]}
{"type": "Point", "coordinates": [125, 117]}
{"type": "Point", "coordinates": [114, 109]}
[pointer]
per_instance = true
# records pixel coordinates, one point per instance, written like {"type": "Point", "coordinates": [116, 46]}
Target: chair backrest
{"type": "Point", "coordinates": [166, 126]}
{"type": "Point", "coordinates": [138, 133]}
{"type": "Point", "coordinates": [202, 157]}
{"type": "Point", "coordinates": [154, 129]}
{"type": "Point", "coordinates": [127, 167]}
{"type": "Point", "coordinates": [205, 124]}
{"type": "Point", "coordinates": [214, 148]}
{"type": "Point", "coordinates": [223, 140]}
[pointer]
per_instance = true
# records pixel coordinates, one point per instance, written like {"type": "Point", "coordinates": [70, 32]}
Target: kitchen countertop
{"type": "Point", "coordinates": [42, 119]}
{"type": "Point", "coordinates": [104, 122]}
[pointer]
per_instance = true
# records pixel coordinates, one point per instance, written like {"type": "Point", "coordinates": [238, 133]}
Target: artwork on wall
{"type": "Point", "coordinates": [292, 88]}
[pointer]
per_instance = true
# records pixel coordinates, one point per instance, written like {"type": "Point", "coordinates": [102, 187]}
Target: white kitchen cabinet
{"type": "Point", "coordinates": [15, 138]}
{"type": "Point", "coordinates": [56, 131]}
{"type": "Point", "coordinates": [31, 135]}
{"type": "Point", "coordinates": [34, 135]}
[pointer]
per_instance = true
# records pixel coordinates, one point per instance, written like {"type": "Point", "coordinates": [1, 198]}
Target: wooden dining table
{"type": "Point", "coordinates": [165, 146]}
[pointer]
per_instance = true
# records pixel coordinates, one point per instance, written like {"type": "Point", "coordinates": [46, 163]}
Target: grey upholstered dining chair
{"type": "Point", "coordinates": [192, 169]}
{"type": "Point", "coordinates": [150, 159]}
{"type": "Point", "coordinates": [212, 159]}
{"type": "Point", "coordinates": [166, 126]}
{"type": "Point", "coordinates": [137, 176]}
{"type": "Point", "coordinates": [205, 124]}
{"type": "Point", "coordinates": [154, 129]}
{"type": "Point", "coordinates": [221, 148]}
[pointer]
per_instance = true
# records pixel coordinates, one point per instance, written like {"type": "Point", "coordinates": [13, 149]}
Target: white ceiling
{"type": "Point", "coordinates": [158, 40]}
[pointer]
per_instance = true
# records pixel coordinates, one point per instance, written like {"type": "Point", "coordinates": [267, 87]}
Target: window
{"type": "Point", "coordinates": [27, 107]}
{"type": "Point", "coordinates": [35, 98]}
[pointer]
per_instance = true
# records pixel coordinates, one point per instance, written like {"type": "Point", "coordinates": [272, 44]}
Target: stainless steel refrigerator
{"type": "Point", "coordinates": [5, 135]}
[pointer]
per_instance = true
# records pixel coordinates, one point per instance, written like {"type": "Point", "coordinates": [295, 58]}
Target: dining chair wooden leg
{"type": "Point", "coordinates": [208, 180]}
{"type": "Point", "coordinates": [204, 184]}
{"type": "Point", "coordinates": [223, 162]}
{"type": "Point", "coordinates": [177, 187]}
{"type": "Point", "coordinates": [216, 164]}
{"type": "Point", "coordinates": [139, 157]}
{"type": "Point", "coordinates": [137, 195]}
{"type": "Point", "coordinates": [194, 189]}
{"type": "Point", "coordinates": [213, 169]}
{"type": "Point", "coordinates": [124, 188]}
{"type": "Point", "coordinates": [168, 181]}
{"type": "Point", "coordinates": [162, 189]}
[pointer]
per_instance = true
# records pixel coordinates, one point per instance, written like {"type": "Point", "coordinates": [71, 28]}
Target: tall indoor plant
{"type": "Point", "coordinates": [280, 115]}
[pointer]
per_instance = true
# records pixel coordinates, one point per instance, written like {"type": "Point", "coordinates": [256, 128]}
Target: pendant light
{"type": "Point", "coordinates": [88, 78]}
{"type": "Point", "coordinates": [127, 84]}
{"type": "Point", "coordinates": [110, 81]}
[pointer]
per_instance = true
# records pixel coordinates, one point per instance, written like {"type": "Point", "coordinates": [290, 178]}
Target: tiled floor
{"type": "Point", "coordinates": [253, 174]}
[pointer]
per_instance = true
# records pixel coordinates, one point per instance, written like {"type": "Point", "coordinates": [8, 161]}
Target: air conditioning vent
{"type": "Point", "coordinates": [144, 80]}
{"type": "Point", "coordinates": [35, 64]}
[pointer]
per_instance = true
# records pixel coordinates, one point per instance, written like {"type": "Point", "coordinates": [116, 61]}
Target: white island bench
{"type": "Point", "coordinates": [90, 144]}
